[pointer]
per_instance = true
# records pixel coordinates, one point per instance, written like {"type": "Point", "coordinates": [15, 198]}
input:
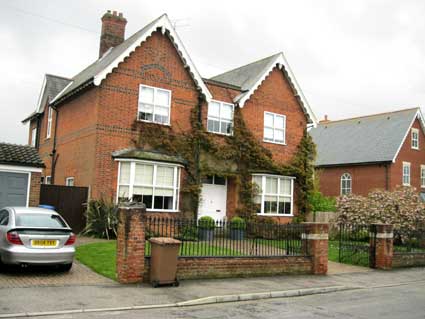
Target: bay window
{"type": "Point", "coordinates": [154, 184]}
{"type": "Point", "coordinates": [275, 195]}
{"type": "Point", "coordinates": [154, 105]}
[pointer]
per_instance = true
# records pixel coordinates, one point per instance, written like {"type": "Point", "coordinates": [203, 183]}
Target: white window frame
{"type": "Point", "coordinates": [155, 89]}
{"type": "Point", "coordinates": [263, 193]}
{"type": "Point", "coordinates": [33, 137]}
{"type": "Point", "coordinates": [49, 121]}
{"type": "Point", "coordinates": [422, 176]}
{"type": "Point", "coordinates": [48, 180]}
{"type": "Point", "coordinates": [274, 128]}
{"type": "Point", "coordinates": [220, 119]}
{"type": "Point", "coordinates": [415, 140]}
{"type": "Point", "coordinates": [175, 187]}
{"type": "Point", "coordinates": [346, 177]}
{"type": "Point", "coordinates": [406, 177]}
{"type": "Point", "coordinates": [69, 180]}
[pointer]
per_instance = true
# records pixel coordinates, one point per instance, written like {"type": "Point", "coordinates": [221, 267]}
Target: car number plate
{"type": "Point", "coordinates": [43, 243]}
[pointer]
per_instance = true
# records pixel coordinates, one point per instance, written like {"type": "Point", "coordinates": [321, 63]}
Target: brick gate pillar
{"type": "Point", "coordinates": [131, 244]}
{"type": "Point", "coordinates": [315, 244]}
{"type": "Point", "coordinates": [381, 246]}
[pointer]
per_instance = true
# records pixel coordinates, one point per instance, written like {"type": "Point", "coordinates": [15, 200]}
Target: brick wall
{"type": "Point", "coordinates": [364, 179]}
{"type": "Point", "coordinates": [408, 260]}
{"type": "Point", "coordinates": [416, 158]}
{"type": "Point", "coordinates": [34, 198]}
{"type": "Point", "coordinates": [226, 267]}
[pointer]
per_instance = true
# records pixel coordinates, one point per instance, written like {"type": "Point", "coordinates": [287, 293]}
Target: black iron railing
{"type": "Point", "coordinates": [353, 244]}
{"type": "Point", "coordinates": [409, 240]}
{"type": "Point", "coordinates": [227, 239]}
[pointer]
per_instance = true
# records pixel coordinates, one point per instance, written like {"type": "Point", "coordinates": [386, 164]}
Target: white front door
{"type": "Point", "coordinates": [213, 198]}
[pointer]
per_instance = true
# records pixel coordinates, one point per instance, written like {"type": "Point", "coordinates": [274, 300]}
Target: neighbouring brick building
{"type": "Point", "coordinates": [85, 127]}
{"type": "Point", "coordinates": [379, 151]}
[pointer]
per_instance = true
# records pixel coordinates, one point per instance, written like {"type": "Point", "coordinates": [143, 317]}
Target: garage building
{"type": "Point", "coordinates": [20, 174]}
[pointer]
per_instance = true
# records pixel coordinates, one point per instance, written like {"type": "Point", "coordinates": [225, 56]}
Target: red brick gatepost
{"type": "Point", "coordinates": [381, 246]}
{"type": "Point", "coordinates": [131, 244]}
{"type": "Point", "coordinates": [315, 242]}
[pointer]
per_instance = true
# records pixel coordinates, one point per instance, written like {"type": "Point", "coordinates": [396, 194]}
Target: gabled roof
{"type": "Point", "coordinates": [369, 139]}
{"type": "Point", "coordinates": [22, 155]}
{"type": "Point", "coordinates": [98, 70]}
{"type": "Point", "coordinates": [52, 85]}
{"type": "Point", "coordinates": [249, 77]}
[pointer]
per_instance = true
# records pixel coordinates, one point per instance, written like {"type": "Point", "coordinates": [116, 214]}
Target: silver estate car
{"type": "Point", "coordinates": [35, 236]}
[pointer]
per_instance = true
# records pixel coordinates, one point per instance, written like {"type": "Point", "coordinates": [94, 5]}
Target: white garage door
{"type": "Point", "coordinates": [13, 189]}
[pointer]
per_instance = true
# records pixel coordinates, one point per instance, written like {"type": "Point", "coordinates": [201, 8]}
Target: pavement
{"type": "Point", "coordinates": [111, 295]}
{"type": "Point", "coordinates": [395, 302]}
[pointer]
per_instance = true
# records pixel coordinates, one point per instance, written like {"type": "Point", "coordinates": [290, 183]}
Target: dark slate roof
{"type": "Point", "coordinates": [138, 153]}
{"type": "Point", "coordinates": [52, 86]}
{"type": "Point", "coordinates": [246, 76]}
{"type": "Point", "coordinates": [368, 139]}
{"type": "Point", "coordinates": [21, 155]}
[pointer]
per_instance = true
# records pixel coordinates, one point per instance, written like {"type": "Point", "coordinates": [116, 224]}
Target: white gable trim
{"type": "Point", "coordinates": [40, 97]}
{"type": "Point", "coordinates": [165, 25]}
{"type": "Point", "coordinates": [418, 115]}
{"type": "Point", "coordinates": [281, 62]}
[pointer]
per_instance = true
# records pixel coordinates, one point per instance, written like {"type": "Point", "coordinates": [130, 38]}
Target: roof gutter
{"type": "Point", "coordinates": [75, 91]}
{"type": "Point", "coordinates": [353, 164]}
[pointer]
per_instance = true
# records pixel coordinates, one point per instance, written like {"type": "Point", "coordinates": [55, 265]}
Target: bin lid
{"type": "Point", "coordinates": [164, 241]}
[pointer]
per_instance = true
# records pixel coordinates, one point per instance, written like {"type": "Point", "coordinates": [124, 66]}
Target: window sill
{"type": "Point", "coordinates": [415, 148]}
{"type": "Point", "coordinates": [164, 124]}
{"type": "Point", "coordinates": [276, 215]}
{"type": "Point", "coordinates": [162, 210]}
{"type": "Point", "coordinates": [406, 184]}
{"type": "Point", "coordinates": [219, 133]}
{"type": "Point", "coordinates": [271, 142]}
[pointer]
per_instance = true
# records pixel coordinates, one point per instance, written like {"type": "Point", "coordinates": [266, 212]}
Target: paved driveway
{"type": "Point", "coordinates": [17, 277]}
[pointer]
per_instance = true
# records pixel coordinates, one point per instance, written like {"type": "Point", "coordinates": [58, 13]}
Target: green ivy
{"type": "Point", "coordinates": [236, 156]}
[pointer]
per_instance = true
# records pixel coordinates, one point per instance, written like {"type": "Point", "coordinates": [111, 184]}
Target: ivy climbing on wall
{"type": "Point", "coordinates": [237, 156]}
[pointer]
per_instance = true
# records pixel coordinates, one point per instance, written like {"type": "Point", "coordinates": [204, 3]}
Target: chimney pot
{"type": "Point", "coordinates": [113, 31]}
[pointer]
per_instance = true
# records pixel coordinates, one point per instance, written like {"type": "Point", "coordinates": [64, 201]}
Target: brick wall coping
{"type": "Point", "coordinates": [315, 236]}
{"type": "Point", "coordinates": [384, 235]}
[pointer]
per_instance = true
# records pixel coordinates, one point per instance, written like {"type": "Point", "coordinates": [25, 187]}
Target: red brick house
{"type": "Point", "coordinates": [148, 84]}
{"type": "Point", "coordinates": [360, 154]}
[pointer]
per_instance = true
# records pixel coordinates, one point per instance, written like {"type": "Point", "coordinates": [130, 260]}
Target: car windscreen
{"type": "Point", "coordinates": [39, 220]}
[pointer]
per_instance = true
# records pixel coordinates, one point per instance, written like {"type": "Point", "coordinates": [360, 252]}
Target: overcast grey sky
{"type": "Point", "coordinates": [350, 57]}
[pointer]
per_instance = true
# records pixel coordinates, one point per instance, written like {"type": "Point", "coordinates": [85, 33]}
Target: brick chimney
{"type": "Point", "coordinates": [324, 121]}
{"type": "Point", "coordinates": [113, 31]}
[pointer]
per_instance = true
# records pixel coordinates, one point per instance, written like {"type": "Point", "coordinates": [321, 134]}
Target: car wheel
{"type": "Point", "coordinates": [65, 267]}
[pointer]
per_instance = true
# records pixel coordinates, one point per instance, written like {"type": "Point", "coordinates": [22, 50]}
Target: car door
{"type": "Point", "coordinates": [4, 226]}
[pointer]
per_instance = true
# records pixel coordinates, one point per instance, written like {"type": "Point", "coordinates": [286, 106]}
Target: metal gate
{"type": "Point", "coordinates": [69, 201]}
{"type": "Point", "coordinates": [355, 244]}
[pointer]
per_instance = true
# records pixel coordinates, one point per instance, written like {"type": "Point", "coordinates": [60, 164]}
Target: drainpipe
{"type": "Point", "coordinates": [53, 154]}
{"type": "Point", "coordinates": [37, 134]}
{"type": "Point", "coordinates": [387, 182]}
{"type": "Point", "coordinates": [198, 149]}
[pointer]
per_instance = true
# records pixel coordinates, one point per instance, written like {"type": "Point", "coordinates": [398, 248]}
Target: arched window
{"type": "Point", "coordinates": [346, 184]}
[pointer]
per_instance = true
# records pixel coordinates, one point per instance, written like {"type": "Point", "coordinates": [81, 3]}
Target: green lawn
{"type": "Point", "coordinates": [100, 257]}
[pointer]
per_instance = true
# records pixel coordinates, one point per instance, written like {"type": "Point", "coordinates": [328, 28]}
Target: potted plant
{"type": "Point", "coordinates": [206, 225]}
{"type": "Point", "coordinates": [237, 228]}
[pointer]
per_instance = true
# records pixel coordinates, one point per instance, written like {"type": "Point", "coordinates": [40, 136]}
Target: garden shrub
{"type": "Point", "coordinates": [237, 223]}
{"type": "Point", "coordinates": [402, 208]}
{"type": "Point", "coordinates": [102, 219]}
{"type": "Point", "coordinates": [206, 222]}
{"type": "Point", "coordinates": [321, 203]}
